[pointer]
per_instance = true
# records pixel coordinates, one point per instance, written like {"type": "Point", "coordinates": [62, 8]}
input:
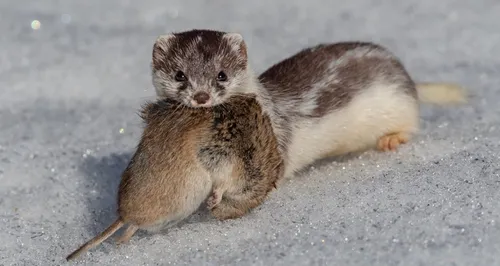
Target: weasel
{"type": "Point", "coordinates": [339, 98]}
{"type": "Point", "coordinates": [227, 153]}
{"type": "Point", "coordinates": [326, 100]}
{"type": "Point", "coordinates": [200, 68]}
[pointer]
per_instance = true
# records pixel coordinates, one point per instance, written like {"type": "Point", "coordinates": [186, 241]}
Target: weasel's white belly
{"type": "Point", "coordinates": [379, 110]}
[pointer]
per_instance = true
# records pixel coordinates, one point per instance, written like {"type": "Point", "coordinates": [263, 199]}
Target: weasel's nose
{"type": "Point", "coordinates": [201, 97]}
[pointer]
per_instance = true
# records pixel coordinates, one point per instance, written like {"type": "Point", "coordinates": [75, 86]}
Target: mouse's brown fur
{"type": "Point", "coordinates": [184, 154]}
{"type": "Point", "coordinates": [245, 133]}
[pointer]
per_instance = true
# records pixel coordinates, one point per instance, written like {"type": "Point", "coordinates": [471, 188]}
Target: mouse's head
{"type": "Point", "coordinates": [200, 68]}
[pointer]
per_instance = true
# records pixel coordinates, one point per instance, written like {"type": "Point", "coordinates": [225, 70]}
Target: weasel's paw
{"type": "Point", "coordinates": [391, 142]}
{"type": "Point", "coordinates": [213, 200]}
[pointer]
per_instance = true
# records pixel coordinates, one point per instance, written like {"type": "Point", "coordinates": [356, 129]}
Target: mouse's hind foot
{"type": "Point", "coordinates": [391, 141]}
{"type": "Point", "coordinates": [127, 235]}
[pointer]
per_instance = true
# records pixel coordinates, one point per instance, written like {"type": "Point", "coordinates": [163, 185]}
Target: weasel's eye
{"type": "Point", "coordinates": [179, 76]}
{"type": "Point", "coordinates": [221, 76]}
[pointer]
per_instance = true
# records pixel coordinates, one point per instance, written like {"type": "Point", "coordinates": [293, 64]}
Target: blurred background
{"type": "Point", "coordinates": [101, 49]}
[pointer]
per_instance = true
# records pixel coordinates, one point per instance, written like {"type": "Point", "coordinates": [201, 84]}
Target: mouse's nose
{"type": "Point", "coordinates": [201, 97]}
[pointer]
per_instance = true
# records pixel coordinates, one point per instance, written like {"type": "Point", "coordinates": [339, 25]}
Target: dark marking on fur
{"type": "Point", "coordinates": [220, 88]}
{"type": "Point", "coordinates": [183, 86]}
{"type": "Point", "coordinates": [212, 45]}
{"type": "Point", "coordinates": [292, 80]}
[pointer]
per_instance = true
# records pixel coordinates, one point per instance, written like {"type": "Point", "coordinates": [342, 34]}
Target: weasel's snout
{"type": "Point", "coordinates": [200, 98]}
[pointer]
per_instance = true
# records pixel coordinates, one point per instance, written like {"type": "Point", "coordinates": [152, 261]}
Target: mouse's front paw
{"type": "Point", "coordinates": [224, 211]}
{"type": "Point", "coordinates": [214, 199]}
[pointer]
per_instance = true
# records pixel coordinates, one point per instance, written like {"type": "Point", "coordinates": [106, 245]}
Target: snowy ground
{"type": "Point", "coordinates": [69, 93]}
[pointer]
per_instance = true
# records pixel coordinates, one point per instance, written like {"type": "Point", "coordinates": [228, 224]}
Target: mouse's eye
{"type": "Point", "coordinates": [221, 76]}
{"type": "Point", "coordinates": [180, 76]}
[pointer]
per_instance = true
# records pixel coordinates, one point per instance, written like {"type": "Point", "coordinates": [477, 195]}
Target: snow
{"type": "Point", "coordinates": [71, 85]}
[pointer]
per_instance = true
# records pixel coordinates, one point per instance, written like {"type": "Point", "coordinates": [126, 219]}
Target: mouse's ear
{"type": "Point", "coordinates": [237, 43]}
{"type": "Point", "coordinates": [160, 48]}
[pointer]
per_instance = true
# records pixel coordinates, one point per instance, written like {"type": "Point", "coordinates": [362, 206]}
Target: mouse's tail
{"type": "Point", "coordinates": [97, 240]}
{"type": "Point", "coordinates": [441, 93]}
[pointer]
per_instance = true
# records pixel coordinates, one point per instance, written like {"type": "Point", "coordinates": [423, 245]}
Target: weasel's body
{"type": "Point", "coordinates": [227, 153]}
{"type": "Point", "coordinates": [334, 99]}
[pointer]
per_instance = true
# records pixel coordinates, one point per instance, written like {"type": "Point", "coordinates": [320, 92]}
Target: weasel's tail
{"type": "Point", "coordinates": [441, 93]}
{"type": "Point", "coordinates": [97, 240]}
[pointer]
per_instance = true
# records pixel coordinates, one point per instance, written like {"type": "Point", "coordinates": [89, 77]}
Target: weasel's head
{"type": "Point", "coordinates": [200, 68]}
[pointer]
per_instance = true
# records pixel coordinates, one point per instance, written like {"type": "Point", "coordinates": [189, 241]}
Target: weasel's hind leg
{"type": "Point", "coordinates": [391, 141]}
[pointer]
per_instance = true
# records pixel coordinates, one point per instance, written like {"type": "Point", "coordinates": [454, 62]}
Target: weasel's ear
{"type": "Point", "coordinates": [236, 42]}
{"type": "Point", "coordinates": [160, 48]}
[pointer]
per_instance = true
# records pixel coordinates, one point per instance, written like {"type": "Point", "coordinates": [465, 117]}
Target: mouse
{"type": "Point", "coordinates": [226, 156]}
{"type": "Point", "coordinates": [335, 99]}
